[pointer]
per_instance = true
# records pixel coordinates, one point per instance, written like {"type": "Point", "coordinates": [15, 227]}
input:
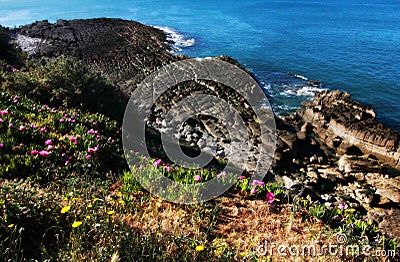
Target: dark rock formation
{"type": "Point", "coordinates": [123, 51]}
{"type": "Point", "coordinates": [342, 123]}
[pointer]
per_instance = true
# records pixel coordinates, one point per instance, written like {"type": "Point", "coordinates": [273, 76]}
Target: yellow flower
{"type": "Point", "coordinates": [199, 248]}
{"type": "Point", "coordinates": [77, 224]}
{"type": "Point", "coordinates": [110, 212]}
{"type": "Point", "coordinates": [74, 199]}
{"type": "Point", "coordinates": [121, 202]}
{"type": "Point", "coordinates": [87, 217]}
{"type": "Point", "coordinates": [96, 199]}
{"type": "Point", "coordinates": [65, 209]}
{"type": "Point", "coordinates": [89, 205]}
{"type": "Point", "coordinates": [11, 225]}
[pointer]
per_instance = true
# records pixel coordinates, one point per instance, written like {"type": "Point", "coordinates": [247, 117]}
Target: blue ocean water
{"type": "Point", "coordinates": [351, 45]}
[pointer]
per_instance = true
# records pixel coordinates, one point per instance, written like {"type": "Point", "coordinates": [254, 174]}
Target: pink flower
{"type": "Point", "coordinates": [242, 177]}
{"type": "Point", "coordinates": [67, 163]}
{"type": "Point", "coordinates": [62, 120]}
{"type": "Point", "coordinates": [88, 157]}
{"type": "Point", "coordinates": [255, 182]}
{"type": "Point", "coordinates": [92, 132]}
{"type": "Point", "coordinates": [33, 126]}
{"type": "Point", "coordinates": [342, 206]}
{"type": "Point", "coordinates": [78, 137]}
{"type": "Point", "coordinates": [48, 142]}
{"type": "Point", "coordinates": [168, 168]}
{"type": "Point", "coordinates": [44, 153]}
{"type": "Point", "coordinates": [22, 128]}
{"type": "Point", "coordinates": [270, 197]}
{"type": "Point", "coordinates": [261, 183]}
{"type": "Point", "coordinates": [222, 174]}
{"type": "Point", "coordinates": [94, 123]}
{"type": "Point", "coordinates": [34, 152]}
{"type": "Point", "coordinates": [197, 178]}
{"type": "Point", "coordinates": [1, 145]}
{"type": "Point", "coordinates": [157, 163]}
{"type": "Point", "coordinates": [43, 129]}
{"type": "Point", "coordinates": [11, 125]}
{"type": "Point", "coordinates": [4, 112]}
{"type": "Point", "coordinates": [253, 191]}
{"type": "Point", "coordinates": [50, 147]}
{"type": "Point", "coordinates": [72, 139]}
{"type": "Point", "coordinates": [98, 136]}
{"type": "Point", "coordinates": [91, 150]}
{"type": "Point", "coordinates": [1, 120]}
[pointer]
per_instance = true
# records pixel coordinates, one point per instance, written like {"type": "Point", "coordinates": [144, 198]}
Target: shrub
{"type": "Point", "coordinates": [64, 82]}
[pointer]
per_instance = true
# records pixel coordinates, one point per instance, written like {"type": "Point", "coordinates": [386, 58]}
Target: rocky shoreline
{"type": "Point", "coordinates": [332, 150]}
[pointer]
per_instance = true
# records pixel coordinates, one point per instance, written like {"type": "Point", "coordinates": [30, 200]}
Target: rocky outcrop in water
{"type": "Point", "coordinates": [346, 125]}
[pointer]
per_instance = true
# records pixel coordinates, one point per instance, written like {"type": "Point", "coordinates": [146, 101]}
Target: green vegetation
{"type": "Point", "coordinates": [66, 193]}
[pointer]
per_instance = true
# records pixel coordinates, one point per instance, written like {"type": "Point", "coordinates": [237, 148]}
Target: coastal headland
{"type": "Point", "coordinates": [332, 150]}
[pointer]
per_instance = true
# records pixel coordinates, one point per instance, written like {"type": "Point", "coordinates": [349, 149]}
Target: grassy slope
{"type": "Point", "coordinates": [68, 206]}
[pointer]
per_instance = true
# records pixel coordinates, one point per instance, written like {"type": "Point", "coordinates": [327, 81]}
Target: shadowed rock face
{"type": "Point", "coordinates": [341, 122]}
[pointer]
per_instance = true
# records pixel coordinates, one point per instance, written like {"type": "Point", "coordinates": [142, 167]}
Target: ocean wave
{"type": "Point", "coordinates": [303, 91]}
{"type": "Point", "coordinates": [298, 76]}
{"type": "Point", "coordinates": [180, 41]}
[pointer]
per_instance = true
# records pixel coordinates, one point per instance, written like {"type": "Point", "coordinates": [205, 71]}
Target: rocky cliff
{"type": "Point", "coordinates": [343, 124]}
{"type": "Point", "coordinates": [333, 149]}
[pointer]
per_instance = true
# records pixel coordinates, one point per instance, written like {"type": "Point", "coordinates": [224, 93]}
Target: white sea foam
{"type": "Point", "coordinates": [301, 77]}
{"type": "Point", "coordinates": [180, 41]}
{"type": "Point", "coordinates": [303, 91]}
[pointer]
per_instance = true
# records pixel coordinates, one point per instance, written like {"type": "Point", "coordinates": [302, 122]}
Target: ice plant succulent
{"type": "Point", "coordinates": [44, 153]}
{"type": "Point", "coordinates": [270, 197]}
{"type": "Point", "coordinates": [157, 162]}
{"type": "Point", "coordinates": [34, 152]}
